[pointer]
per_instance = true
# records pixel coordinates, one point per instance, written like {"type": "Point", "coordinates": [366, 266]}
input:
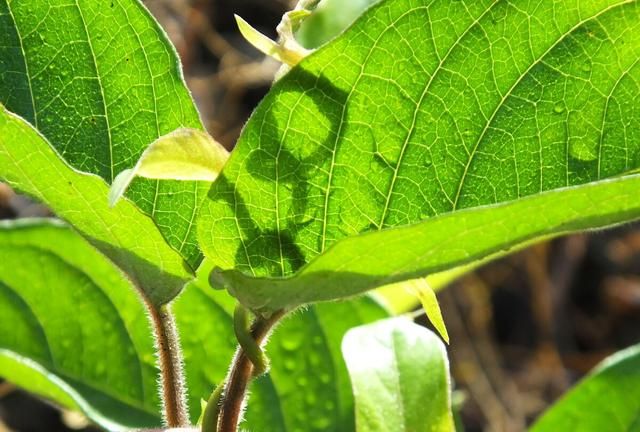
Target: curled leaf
{"type": "Point", "coordinates": [184, 154]}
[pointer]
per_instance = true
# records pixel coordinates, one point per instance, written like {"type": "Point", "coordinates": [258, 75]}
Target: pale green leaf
{"type": "Point", "coordinates": [424, 109]}
{"type": "Point", "coordinates": [400, 377]}
{"type": "Point", "coordinates": [329, 19]}
{"type": "Point", "coordinates": [184, 154]}
{"type": "Point", "coordinates": [400, 301]}
{"type": "Point", "coordinates": [608, 399]}
{"type": "Point", "coordinates": [100, 80]}
{"type": "Point", "coordinates": [72, 327]}
{"type": "Point", "coordinates": [128, 237]}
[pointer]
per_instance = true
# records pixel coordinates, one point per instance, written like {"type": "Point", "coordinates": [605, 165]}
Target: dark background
{"type": "Point", "coordinates": [523, 329]}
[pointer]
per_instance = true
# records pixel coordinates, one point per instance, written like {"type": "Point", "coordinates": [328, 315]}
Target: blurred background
{"type": "Point", "coordinates": [523, 329]}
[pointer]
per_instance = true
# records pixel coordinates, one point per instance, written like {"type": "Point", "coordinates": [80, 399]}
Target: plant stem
{"type": "Point", "coordinates": [240, 376]}
{"type": "Point", "coordinates": [173, 394]}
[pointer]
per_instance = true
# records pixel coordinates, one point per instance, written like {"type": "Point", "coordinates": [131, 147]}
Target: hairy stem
{"type": "Point", "coordinates": [242, 370]}
{"type": "Point", "coordinates": [173, 394]}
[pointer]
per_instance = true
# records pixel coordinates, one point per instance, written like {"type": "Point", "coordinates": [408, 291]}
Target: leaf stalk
{"type": "Point", "coordinates": [242, 369]}
{"type": "Point", "coordinates": [173, 391]}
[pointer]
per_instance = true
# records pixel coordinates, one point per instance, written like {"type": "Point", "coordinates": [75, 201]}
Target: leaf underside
{"type": "Point", "coordinates": [101, 82]}
{"type": "Point", "coordinates": [307, 387]}
{"type": "Point", "coordinates": [424, 108]}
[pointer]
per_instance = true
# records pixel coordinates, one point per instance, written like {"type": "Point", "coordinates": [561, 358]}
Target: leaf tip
{"type": "Point", "coordinates": [119, 186]}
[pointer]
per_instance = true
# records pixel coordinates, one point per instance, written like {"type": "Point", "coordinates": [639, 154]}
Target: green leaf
{"type": "Point", "coordinates": [184, 154]}
{"type": "Point", "coordinates": [128, 237]}
{"type": "Point", "coordinates": [100, 80]}
{"type": "Point", "coordinates": [400, 377]}
{"type": "Point", "coordinates": [356, 264]}
{"type": "Point", "coordinates": [607, 399]}
{"type": "Point", "coordinates": [307, 387]}
{"type": "Point", "coordinates": [72, 327]}
{"type": "Point", "coordinates": [423, 109]}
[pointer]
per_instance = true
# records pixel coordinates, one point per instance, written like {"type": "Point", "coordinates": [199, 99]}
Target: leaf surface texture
{"type": "Point", "coordinates": [100, 80]}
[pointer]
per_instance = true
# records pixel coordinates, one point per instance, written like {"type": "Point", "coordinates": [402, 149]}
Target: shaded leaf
{"type": "Point", "coordinates": [400, 377]}
{"type": "Point", "coordinates": [607, 399]}
{"type": "Point", "coordinates": [307, 387]}
{"type": "Point", "coordinates": [100, 80]}
{"type": "Point", "coordinates": [89, 345]}
{"type": "Point", "coordinates": [72, 327]}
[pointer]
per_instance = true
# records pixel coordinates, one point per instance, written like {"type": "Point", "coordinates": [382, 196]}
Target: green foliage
{"type": "Point", "coordinates": [89, 346]}
{"type": "Point", "coordinates": [397, 123]}
{"type": "Point", "coordinates": [329, 19]}
{"type": "Point", "coordinates": [307, 387]}
{"type": "Point", "coordinates": [430, 135]}
{"type": "Point", "coordinates": [100, 81]}
{"type": "Point", "coordinates": [400, 376]}
{"type": "Point", "coordinates": [124, 234]}
{"type": "Point", "coordinates": [184, 154]}
{"type": "Point", "coordinates": [607, 399]}
{"type": "Point", "coordinates": [70, 319]}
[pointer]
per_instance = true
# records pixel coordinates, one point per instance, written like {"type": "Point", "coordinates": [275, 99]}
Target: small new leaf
{"type": "Point", "coordinates": [290, 56]}
{"type": "Point", "coordinates": [184, 154]}
{"type": "Point", "coordinates": [427, 296]}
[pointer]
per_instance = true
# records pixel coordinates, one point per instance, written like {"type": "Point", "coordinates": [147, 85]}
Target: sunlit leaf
{"type": "Point", "coordinates": [389, 143]}
{"type": "Point", "coordinates": [100, 80]}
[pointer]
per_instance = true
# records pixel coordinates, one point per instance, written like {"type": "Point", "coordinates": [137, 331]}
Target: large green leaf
{"type": "Point", "coordinates": [424, 108]}
{"type": "Point", "coordinates": [88, 345]}
{"type": "Point", "coordinates": [124, 234]}
{"type": "Point", "coordinates": [72, 327]}
{"type": "Point", "coordinates": [608, 399]}
{"type": "Point", "coordinates": [100, 81]}
{"type": "Point", "coordinates": [307, 387]}
{"type": "Point", "coordinates": [400, 376]}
